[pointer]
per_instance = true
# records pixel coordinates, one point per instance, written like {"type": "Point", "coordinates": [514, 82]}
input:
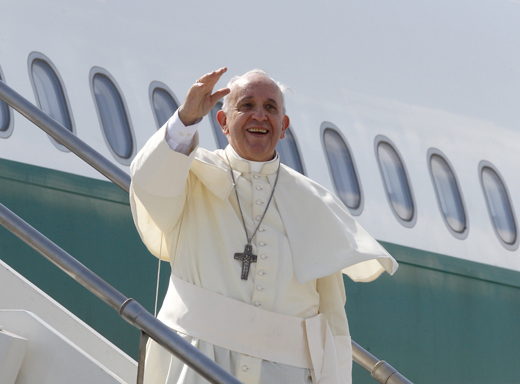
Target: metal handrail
{"type": "Point", "coordinates": [128, 309]}
{"type": "Point", "coordinates": [379, 369]}
{"type": "Point", "coordinates": [64, 136]}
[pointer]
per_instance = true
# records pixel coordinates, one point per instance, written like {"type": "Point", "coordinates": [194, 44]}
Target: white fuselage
{"type": "Point", "coordinates": [442, 75]}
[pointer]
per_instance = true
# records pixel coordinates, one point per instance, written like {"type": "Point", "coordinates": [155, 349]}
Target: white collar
{"type": "Point", "coordinates": [254, 166]}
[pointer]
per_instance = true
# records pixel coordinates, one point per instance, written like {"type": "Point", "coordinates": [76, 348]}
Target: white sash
{"type": "Point", "coordinates": [240, 327]}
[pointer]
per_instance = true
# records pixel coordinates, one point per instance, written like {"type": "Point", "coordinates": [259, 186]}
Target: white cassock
{"type": "Point", "coordinates": [286, 323]}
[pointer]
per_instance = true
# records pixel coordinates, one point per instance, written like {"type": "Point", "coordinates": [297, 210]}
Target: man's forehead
{"type": "Point", "coordinates": [247, 85]}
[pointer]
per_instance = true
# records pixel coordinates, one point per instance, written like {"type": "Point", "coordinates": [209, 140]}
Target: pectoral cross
{"type": "Point", "coordinates": [247, 258]}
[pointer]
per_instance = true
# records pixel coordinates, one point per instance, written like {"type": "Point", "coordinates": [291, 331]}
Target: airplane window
{"type": "Point", "coordinates": [288, 150]}
{"type": "Point", "coordinates": [396, 183]}
{"type": "Point", "coordinates": [342, 168]}
{"type": "Point", "coordinates": [221, 139]}
{"type": "Point", "coordinates": [50, 93]}
{"type": "Point", "coordinates": [113, 116]}
{"type": "Point", "coordinates": [5, 118]}
{"type": "Point", "coordinates": [448, 194]}
{"type": "Point", "coordinates": [164, 105]}
{"type": "Point", "coordinates": [499, 205]}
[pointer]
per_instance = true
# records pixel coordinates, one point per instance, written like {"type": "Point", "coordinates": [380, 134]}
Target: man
{"type": "Point", "coordinates": [256, 249]}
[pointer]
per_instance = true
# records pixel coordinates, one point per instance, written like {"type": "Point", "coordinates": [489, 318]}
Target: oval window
{"type": "Point", "coordinates": [113, 116]}
{"type": "Point", "coordinates": [221, 139]}
{"type": "Point", "coordinates": [342, 168]}
{"type": "Point", "coordinates": [49, 93]}
{"type": "Point", "coordinates": [448, 194]}
{"type": "Point", "coordinates": [288, 150]}
{"type": "Point", "coordinates": [499, 205]}
{"type": "Point", "coordinates": [164, 105]}
{"type": "Point", "coordinates": [395, 180]}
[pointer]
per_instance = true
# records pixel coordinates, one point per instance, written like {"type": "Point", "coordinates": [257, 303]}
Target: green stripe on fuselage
{"type": "Point", "coordinates": [437, 320]}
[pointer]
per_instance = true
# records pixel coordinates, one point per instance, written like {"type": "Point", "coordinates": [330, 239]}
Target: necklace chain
{"type": "Point", "coordinates": [249, 239]}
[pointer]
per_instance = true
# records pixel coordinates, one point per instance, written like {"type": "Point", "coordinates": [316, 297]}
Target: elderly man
{"type": "Point", "coordinates": [256, 249]}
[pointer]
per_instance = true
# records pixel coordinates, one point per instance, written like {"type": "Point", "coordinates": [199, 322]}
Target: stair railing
{"type": "Point", "coordinates": [128, 308]}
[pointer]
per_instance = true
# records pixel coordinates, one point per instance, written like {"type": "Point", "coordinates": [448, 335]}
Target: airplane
{"type": "Point", "coordinates": [408, 111]}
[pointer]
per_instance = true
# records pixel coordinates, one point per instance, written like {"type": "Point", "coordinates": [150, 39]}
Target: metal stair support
{"type": "Point", "coordinates": [379, 369]}
{"type": "Point", "coordinates": [129, 309]}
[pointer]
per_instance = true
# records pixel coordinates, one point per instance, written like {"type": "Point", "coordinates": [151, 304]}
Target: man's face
{"type": "Point", "coordinates": [255, 120]}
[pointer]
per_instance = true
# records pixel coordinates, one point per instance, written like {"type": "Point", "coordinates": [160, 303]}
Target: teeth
{"type": "Point", "coordinates": [257, 130]}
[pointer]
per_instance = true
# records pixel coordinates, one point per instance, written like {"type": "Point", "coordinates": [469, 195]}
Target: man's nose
{"type": "Point", "coordinates": [259, 114]}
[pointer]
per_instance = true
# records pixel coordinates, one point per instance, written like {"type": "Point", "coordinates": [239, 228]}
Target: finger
{"type": "Point", "coordinates": [212, 77]}
{"type": "Point", "coordinates": [215, 74]}
{"type": "Point", "coordinates": [219, 94]}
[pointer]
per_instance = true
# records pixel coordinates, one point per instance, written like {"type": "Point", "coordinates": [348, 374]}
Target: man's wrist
{"type": "Point", "coordinates": [186, 120]}
{"type": "Point", "coordinates": [178, 133]}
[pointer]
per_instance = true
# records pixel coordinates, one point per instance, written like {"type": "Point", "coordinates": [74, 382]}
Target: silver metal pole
{"type": "Point", "coordinates": [379, 369]}
{"type": "Point", "coordinates": [142, 357]}
{"type": "Point", "coordinates": [129, 309]}
{"type": "Point", "coordinates": [64, 136]}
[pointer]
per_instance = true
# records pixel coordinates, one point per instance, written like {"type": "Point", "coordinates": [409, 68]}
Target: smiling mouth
{"type": "Point", "coordinates": [257, 130]}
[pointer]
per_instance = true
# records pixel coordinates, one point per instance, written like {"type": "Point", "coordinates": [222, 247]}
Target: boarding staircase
{"type": "Point", "coordinates": [25, 338]}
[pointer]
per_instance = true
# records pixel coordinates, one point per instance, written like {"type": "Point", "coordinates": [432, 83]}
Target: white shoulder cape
{"type": "Point", "coordinates": [323, 236]}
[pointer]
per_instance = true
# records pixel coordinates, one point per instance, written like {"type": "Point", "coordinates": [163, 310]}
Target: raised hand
{"type": "Point", "coordinates": [200, 99]}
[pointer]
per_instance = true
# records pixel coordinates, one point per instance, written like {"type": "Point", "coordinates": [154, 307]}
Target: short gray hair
{"type": "Point", "coordinates": [234, 80]}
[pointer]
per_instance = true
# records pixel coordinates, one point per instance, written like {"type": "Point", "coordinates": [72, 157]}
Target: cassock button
{"type": "Point", "coordinates": [261, 273]}
{"type": "Point", "coordinates": [262, 244]}
{"type": "Point", "coordinates": [256, 176]}
{"type": "Point", "coordinates": [259, 287]}
{"type": "Point", "coordinates": [244, 368]}
{"type": "Point", "coordinates": [258, 188]}
{"type": "Point", "coordinates": [259, 202]}
{"type": "Point", "coordinates": [257, 303]}
{"type": "Point", "coordinates": [258, 218]}
{"type": "Point", "coordinates": [263, 256]}
{"type": "Point", "coordinates": [261, 229]}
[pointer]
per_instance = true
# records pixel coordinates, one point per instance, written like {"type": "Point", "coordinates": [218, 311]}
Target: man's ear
{"type": "Point", "coordinates": [285, 125]}
{"type": "Point", "coordinates": [222, 120]}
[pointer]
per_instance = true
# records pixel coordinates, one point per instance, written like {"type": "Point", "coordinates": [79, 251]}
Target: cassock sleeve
{"type": "Point", "coordinates": [161, 184]}
{"type": "Point", "coordinates": [332, 304]}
